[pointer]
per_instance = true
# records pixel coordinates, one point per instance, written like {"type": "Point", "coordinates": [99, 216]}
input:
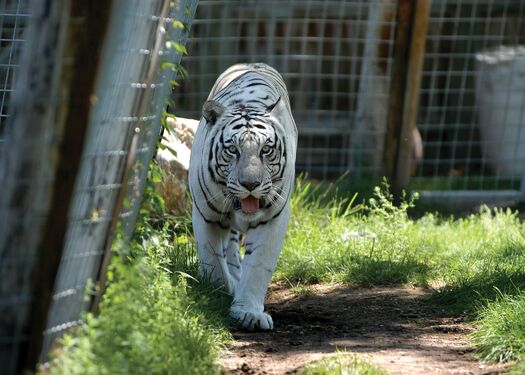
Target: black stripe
{"type": "Point", "coordinates": [210, 154]}
{"type": "Point", "coordinates": [231, 84]}
{"type": "Point", "coordinates": [221, 225]}
{"type": "Point", "coordinates": [259, 83]}
{"type": "Point", "coordinates": [207, 194]}
{"type": "Point", "coordinates": [245, 315]}
{"type": "Point", "coordinates": [269, 109]}
{"type": "Point", "coordinates": [208, 203]}
{"type": "Point", "coordinates": [283, 160]}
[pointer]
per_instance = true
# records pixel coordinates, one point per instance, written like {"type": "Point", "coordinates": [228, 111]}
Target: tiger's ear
{"type": "Point", "coordinates": [212, 110]}
{"type": "Point", "coordinates": [272, 106]}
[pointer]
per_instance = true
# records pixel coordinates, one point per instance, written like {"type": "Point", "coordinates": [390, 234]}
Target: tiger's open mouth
{"type": "Point", "coordinates": [248, 205]}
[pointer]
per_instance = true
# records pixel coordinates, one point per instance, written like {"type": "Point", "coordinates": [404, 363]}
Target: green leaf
{"type": "Point", "coordinates": [178, 47]}
{"type": "Point", "coordinates": [170, 149]}
{"type": "Point", "coordinates": [167, 65]}
{"type": "Point", "coordinates": [178, 24]}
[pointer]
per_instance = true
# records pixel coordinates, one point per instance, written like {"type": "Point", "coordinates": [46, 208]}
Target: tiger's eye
{"type": "Point", "coordinates": [232, 149]}
{"type": "Point", "coordinates": [266, 149]}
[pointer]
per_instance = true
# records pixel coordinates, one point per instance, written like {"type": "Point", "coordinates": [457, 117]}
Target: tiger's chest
{"type": "Point", "coordinates": [241, 223]}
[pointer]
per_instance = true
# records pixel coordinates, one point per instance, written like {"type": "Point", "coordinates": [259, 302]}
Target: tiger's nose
{"type": "Point", "coordinates": [250, 184]}
{"type": "Point", "coordinates": [250, 170]}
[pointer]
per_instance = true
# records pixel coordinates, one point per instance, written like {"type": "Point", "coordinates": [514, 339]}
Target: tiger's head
{"type": "Point", "coordinates": [247, 154]}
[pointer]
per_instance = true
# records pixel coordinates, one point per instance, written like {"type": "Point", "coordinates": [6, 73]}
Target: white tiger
{"type": "Point", "coordinates": [241, 175]}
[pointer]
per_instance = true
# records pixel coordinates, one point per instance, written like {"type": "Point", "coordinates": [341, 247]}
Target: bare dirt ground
{"type": "Point", "coordinates": [389, 327]}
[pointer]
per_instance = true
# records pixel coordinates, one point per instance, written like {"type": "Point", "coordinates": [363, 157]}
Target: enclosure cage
{"type": "Point", "coordinates": [336, 58]}
{"type": "Point", "coordinates": [84, 89]}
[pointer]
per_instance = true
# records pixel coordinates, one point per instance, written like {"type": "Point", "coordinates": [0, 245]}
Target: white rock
{"type": "Point", "coordinates": [174, 159]}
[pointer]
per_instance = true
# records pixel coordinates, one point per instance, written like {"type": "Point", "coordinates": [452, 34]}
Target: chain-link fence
{"type": "Point", "coordinates": [66, 189]}
{"type": "Point", "coordinates": [133, 93]}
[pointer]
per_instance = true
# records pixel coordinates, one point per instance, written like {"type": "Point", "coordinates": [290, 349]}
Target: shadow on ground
{"type": "Point", "coordinates": [389, 326]}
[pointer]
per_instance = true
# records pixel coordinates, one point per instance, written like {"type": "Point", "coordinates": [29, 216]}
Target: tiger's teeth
{"type": "Point", "coordinates": [249, 205]}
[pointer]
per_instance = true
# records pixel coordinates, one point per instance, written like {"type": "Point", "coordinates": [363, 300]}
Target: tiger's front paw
{"type": "Point", "coordinates": [251, 320]}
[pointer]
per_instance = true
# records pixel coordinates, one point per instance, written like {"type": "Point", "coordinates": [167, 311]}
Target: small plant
{"type": "Point", "coordinates": [308, 196]}
{"type": "Point", "coordinates": [301, 290]}
{"type": "Point", "coordinates": [332, 239]}
{"type": "Point", "coordinates": [382, 203]}
{"type": "Point", "coordinates": [157, 315]}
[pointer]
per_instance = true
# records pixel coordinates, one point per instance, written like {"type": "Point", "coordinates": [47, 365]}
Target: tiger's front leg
{"type": "Point", "coordinates": [263, 246]}
{"type": "Point", "coordinates": [213, 246]}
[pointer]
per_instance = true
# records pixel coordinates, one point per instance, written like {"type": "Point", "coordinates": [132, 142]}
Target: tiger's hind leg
{"type": "Point", "coordinates": [233, 257]}
{"type": "Point", "coordinates": [212, 244]}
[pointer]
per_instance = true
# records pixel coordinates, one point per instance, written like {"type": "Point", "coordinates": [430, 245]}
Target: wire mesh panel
{"type": "Point", "coordinates": [335, 57]}
{"type": "Point", "coordinates": [13, 19]}
{"type": "Point", "coordinates": [472, 103]}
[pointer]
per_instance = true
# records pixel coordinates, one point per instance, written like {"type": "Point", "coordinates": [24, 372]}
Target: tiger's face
{"type": "Point", "coordinates": [247, 157]}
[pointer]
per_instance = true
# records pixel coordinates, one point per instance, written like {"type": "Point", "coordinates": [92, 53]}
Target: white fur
{"type": "Point", "coordinates": [216, 222]}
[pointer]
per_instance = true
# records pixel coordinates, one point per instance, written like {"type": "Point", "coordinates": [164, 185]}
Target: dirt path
{"type": "Point", "coordinates": [387, 326]}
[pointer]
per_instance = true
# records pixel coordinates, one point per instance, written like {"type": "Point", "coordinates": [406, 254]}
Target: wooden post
{"type": "Point", "coordinates": [83, 38]}
{"type": "Point", "coordinates": [409, 48]}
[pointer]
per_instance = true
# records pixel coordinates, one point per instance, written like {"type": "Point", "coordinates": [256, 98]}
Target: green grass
{"type": "Point", "coordinates": [464, 183]}
{"type": "Point", "coordinates": [475, 264]}
{"type": "Point", "coordinates": [157, 314]}
{"type": "Point", "coordinates": [501, 329]}
{"type": "Point", "coordinates": [341, 364]}
{"type": "Point", "coordinates": [337, 241]}
{"type": "Point", "coordinates": [379, 244]}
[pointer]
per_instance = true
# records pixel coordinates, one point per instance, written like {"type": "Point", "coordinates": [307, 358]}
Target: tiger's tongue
{"type": "Point", "coordinates": [249, 205]}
